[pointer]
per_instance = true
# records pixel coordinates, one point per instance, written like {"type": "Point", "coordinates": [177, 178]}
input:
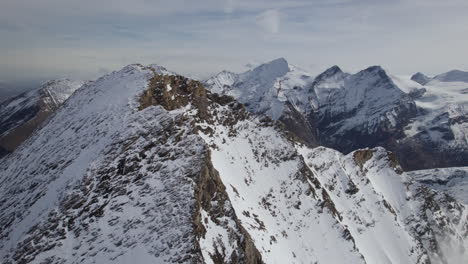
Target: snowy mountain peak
{"type": "Point", "coordinates": [375, 77]}
{"type": "Point", "coordinates": [331, 72]}
{"type": "Point", "coordinates": [276, 63]}
{"type": "Point", "coordinates": [55, 92]}
{"type": "Point", "coordinates": [222, 82]}
{"type": "Point", "coordinates": [271, 70]}
{"type": "Point", "coordinates": [375, 70]}
{"type": "Point", "coordinates": [420, 78]}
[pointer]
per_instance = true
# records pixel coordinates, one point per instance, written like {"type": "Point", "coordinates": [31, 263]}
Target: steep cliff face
{"type": "Point", "coordinates": [21, 115]}
{"type": "Point", "coordinates": [143, 165]}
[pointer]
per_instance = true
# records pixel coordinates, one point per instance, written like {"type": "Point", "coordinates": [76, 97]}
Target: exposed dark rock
{"type": "Point", "coordinates": [210, 190]}
{"type": "Point", "coordinates": [297, 124]}
{"type": "Point", "coordinates": [362, 156]}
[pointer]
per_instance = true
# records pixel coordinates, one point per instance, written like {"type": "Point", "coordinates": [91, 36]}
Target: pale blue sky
{"type": "Point", "coordinates": [44, 39]}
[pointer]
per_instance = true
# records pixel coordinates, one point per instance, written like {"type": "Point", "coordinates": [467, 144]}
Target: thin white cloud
{"type": "Point", "coordinates": [75, 38]}
{"type": "Point", "coordinates": [269, 21]}
{"type": "Point", "coordinates": [229, 6]}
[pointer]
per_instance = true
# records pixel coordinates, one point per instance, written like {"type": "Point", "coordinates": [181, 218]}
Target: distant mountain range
{"type": "Point", "coordinates": [426, 126]}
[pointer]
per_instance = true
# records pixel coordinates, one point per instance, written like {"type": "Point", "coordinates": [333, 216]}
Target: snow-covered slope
{"type": "Point", "coordinates": [20, 115]}
{"type": "Point", "coordinates": [391, 218]}
{"type": "Point", "coordinates": [145, 166]}
{"type": "Point", "coordinates": [275, 196]}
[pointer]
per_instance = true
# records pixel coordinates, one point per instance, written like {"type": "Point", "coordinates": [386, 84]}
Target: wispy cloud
{"type": "Point", "coordinates": [269, 21]}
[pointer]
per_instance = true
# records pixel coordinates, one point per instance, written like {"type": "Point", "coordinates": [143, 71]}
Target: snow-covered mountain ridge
{"type": "Point", "coordinates": [143, 165]}
{"type": "Point", "coordinates": [20, 115]}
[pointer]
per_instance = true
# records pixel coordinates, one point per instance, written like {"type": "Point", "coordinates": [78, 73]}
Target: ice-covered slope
{"type": "Point", "coordinates": [20, 115]}
{"type": "Point", "coordinates": [145, 166]}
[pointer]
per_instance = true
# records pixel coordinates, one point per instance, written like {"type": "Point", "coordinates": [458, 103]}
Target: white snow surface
{"type": "Point", "coordinates": [276, 202]}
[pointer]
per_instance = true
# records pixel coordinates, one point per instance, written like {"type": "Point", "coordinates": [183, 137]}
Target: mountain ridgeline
{"type": "Point", "coordinates": [146, 166]}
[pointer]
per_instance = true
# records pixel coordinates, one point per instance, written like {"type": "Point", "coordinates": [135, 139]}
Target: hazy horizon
{"type": "Point", "coordinates": [83, 39]}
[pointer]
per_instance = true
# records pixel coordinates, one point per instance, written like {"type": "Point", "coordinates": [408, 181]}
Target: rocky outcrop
{"type": "Point", "coordinates": [212, 198]}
